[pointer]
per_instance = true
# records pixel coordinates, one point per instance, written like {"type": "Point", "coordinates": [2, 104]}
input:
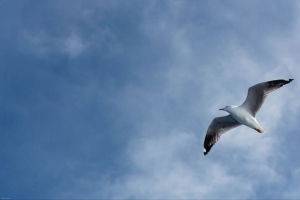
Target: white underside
{"type": "Point", "coordinates": [245, 118]}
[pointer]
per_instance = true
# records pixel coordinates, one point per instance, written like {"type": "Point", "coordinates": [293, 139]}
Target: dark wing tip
{"type": "Point", "coordinates": [287, 81]}
{"type": "Point", "coordinates": [205, 152]}
{"type": "Point", "coordinates": [207, 148]}
{"type": "Point", "coordinates": [279, 82]}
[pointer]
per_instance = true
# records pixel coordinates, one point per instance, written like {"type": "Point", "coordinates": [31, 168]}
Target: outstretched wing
{"type": "Point", "coordinates": [259, 92]}
{"type": "Point", "coordinates": [218, 126]}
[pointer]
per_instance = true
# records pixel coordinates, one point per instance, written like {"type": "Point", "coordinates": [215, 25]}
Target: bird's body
{"type": "Point", "coordinates": [245, 118]}
{"type": "Point", "coordinates": [243, 114]}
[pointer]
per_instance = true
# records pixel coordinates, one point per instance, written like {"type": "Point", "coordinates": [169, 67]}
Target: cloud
{"type": "Point", "coordinates": [74, 46]}
{"type": "Point", "coordinates": [81, 31]}
{"type": "Point", "coordinates": [171, 166]}
{"type": "Point", "coordinates": [42, 44]}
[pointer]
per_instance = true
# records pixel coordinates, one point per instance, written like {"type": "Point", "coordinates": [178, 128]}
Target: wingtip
{"type": "Point", "coordinates": [288, 80]}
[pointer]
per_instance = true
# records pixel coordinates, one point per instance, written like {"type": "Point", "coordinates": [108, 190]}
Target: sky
{"type": "Point", "coordinates": [112, 99]}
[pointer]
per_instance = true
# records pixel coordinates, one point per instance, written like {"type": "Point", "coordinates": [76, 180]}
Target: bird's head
{"type": "Point", "coordinates": [227, 108]}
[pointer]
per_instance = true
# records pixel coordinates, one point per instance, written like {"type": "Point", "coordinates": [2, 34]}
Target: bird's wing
{"type": "Point", "coordinates": [259, 92]}
{"type": "Point", "coordinates": [218, 126]}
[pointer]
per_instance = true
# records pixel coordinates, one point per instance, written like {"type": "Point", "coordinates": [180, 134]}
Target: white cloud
{"type": "Point", "coordinates": [171, 166]}
{"type": "Point", "coordinates": [43, 44]}
{"type": "Point", "coordinates": [72, 41]}
{"type": "Point", "coordinates": [74, 45]}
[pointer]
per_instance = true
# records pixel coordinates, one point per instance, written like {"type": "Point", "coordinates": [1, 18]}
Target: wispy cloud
{"type": "Point", "coordinates": [74, 46]}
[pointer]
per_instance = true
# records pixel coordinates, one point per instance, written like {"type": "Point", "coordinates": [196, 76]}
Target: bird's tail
{"type": "Point", "coordinates": [260, 129]}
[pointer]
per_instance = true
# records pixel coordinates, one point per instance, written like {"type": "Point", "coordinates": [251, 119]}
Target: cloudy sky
{"type": "Point", "coordinates": [112, 99]}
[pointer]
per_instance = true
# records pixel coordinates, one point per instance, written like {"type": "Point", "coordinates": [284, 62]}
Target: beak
{"type": "Point", "coordinates": [221, 109]}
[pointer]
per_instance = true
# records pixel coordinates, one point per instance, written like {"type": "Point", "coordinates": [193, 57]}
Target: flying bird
{"type": "Point", "coordinates": [243, 114]}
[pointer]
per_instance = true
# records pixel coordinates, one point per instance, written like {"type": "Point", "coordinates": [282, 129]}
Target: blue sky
{"type": "Point", "coordinates": [112, 99]}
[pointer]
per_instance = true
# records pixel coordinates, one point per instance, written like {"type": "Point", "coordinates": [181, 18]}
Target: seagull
{"type": "Point", "coordinates": [243, 114]}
